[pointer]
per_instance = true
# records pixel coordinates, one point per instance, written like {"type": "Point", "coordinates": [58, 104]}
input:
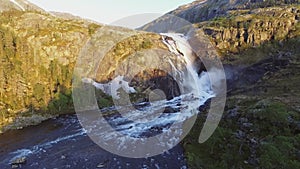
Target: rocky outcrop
{"type": "Point", "coordinates": [240, 31]}
{"type": "Point", "coordinates": [235, 25]}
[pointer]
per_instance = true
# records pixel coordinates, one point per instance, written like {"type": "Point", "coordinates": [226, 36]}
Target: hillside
{"type": "Point", "coordinates": [258, 42]}
{"type": "Point", "coordinates": [39, 51]}
{"type": "Point", "coordinates": [203, 10]}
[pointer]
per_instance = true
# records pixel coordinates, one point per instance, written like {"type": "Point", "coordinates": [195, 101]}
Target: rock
{"type": "Point", "coordinates": [242, 30]}
{"type": "Point", "coordinates": [18, 161]}
{"type": "Point", "coordinates": [100, 165]}
{"type": "Point", "coordinates": [14, 166]}
{"type": "Point", "coordinates": [171, 110]}
{"type": "Point", "coordinates": [103, 164]}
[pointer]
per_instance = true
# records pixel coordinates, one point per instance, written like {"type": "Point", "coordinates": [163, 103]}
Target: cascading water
{"type": "Point", "coordinates": [197, 90]}
{"type": "Point", "coordinates": [199, 85]}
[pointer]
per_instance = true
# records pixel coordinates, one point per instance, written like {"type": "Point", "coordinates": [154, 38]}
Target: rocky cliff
{"type": "Point", "coordinates": [249, 28]}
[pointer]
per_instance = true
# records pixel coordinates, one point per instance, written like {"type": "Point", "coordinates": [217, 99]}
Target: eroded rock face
{"type": "Point", "coordinates": [254, 29]}
{"type": "Point", "coordinates": [140, 57]}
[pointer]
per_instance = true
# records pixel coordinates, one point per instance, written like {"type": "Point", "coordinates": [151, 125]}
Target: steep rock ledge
{"type": "Point", "coordinates": [242, 30]}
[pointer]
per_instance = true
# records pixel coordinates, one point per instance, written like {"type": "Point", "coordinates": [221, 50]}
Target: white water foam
{"type": "Point", "coordinates": [112, 87]}
{"type": "Point", "coordinates": [200, 85]}
{"type": "Point", "coordinates": [42, 147]}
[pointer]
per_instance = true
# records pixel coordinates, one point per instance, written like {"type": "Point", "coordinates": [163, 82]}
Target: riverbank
{"type": "Point", "coordinates": [61, 143]}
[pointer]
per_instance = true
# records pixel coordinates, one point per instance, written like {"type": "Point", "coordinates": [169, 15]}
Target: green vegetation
{"type": "Point", "coordinates": [93, 28]}
{"type": "Point", "coordinates": [243, 29]}
{"type": "Point", "coordinates": [147, 44]}
{"type": "Point", "coordinates": [103, 100]}
{"type": "Point", "coordinates": [248, 137]}
{"type": "Point", "coordinates": [260, 125]}
{"type": "Point", "coordinates": [37, 61]}
{"type": "Point", "coordinates": [252, 55]}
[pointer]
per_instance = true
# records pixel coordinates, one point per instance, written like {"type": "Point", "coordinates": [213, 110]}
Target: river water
{"type": "Point", "coordinates": [62, 143]}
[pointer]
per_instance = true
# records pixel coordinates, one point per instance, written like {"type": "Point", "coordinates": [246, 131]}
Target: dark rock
{"type": "Point", "coordinates": [171, 110]}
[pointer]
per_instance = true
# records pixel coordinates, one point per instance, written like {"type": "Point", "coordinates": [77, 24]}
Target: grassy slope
{"type": "Point", "coordinates": [261, 123]}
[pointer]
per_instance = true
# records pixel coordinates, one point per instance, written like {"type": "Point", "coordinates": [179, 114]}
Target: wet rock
{"type": "Point", "coordinates": [16, 163]}
{"type": "Point", "coordinates": [103, 164]}
{"type": "Point", "coordinates": [21, 160]}
{"type": "Point", "coordinates": [100, 165]}
{"type": "Point", "coordinates": [171, 110]}
{"type": "Point", "coordinates": [14, 166]}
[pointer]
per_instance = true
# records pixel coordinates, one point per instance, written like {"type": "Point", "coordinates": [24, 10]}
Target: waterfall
{"type": "Point", "coordinates": [164, 121]}
{"type": "Point", "coordinates": [195, 86]}
{"type": "Point", "coordinates": [198, 85]}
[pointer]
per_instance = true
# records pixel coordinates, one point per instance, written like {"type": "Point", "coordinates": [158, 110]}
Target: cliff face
{"type": "Point", "coordinates": [250, 28]}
